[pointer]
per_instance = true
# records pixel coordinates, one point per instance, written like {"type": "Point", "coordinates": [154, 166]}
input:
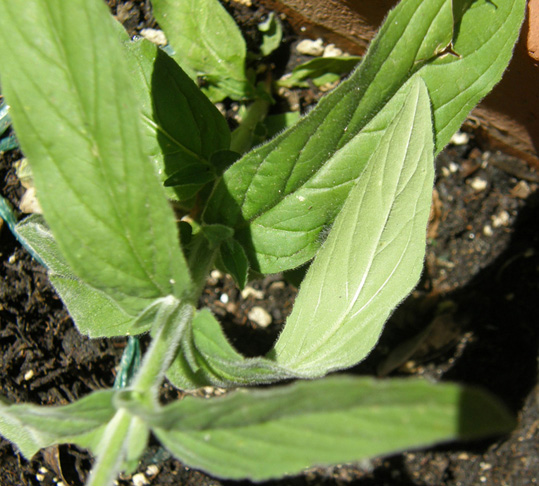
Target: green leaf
{"type": "Point", "coordinates": [181, 126]}
{"type": "Point", "coordinates": [235, 261]}
{"type": "Point", "coordinates": [189, 179]}
{"type": "Point", "coordinates": [374, 253]}
{"type": "Point", "coordinates": [93, 311]}
{"type": "Point", "coordinates": [207, 43]}
{"type": "Point", "coordinates": [485, 35]}
{"type": "Point", "coordinates": [291, 189]}
{"type": "Point", "coordinates": [32, 427]}
{"type": "Point", "coordinates": [216, 234]}
{"type": "Point", "coordinates": [318, 70]}
{"type": "Point", "coordinates": [272, 34]}
{"type": "Point", "coordinates": [76, 115]}
{"type": "Point", "coordinates": [263, 434]}
{"type": "Point", "coordinates": [207, 358]}
{"type": "Point", "coordinates": [223, 159]}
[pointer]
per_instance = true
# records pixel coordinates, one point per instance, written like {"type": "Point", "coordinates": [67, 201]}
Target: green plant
{"type": "Point", "coordinates": [348, 185]}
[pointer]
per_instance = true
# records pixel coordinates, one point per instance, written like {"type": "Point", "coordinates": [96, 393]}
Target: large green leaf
{"type": "Point", "coordinates": [264, 434]}
{"type": "Point", "coordinates": [281, 196]}
{"type": "Point", "coordinates": [207, 43]}
{"type": "Point", "coordinates": [77, 117]}
{"type": "Point", "coordinates": [182, 127]}
{"type": "Point", "coordinates": [371, 260]}
{"type": "Point", "coordinates": [32, 427]}
{"type": "Point", "coordinates": [374, 253]}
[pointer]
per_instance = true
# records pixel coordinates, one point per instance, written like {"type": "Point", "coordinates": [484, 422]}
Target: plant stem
{"type": "Point", "coordinates": [111, 450]}
{"type": "Point", "coordinates": [114, 447]}
{"type": "Point", "coordinates": [171, 321]}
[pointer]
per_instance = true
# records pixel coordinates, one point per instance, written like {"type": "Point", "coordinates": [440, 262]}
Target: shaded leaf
{"type": "Point", "coordinates": [235, 261]}
{"type": "Point", "coordinates": [272, 34]}
{"type": "Point", "coordinates": [182, 127]}
{"type": "Point", "coordinates": [263, 434]}
{"type": "Point", "coordinates": [207, 358]}
{"type": "Point", "coordinates": [320, 70]}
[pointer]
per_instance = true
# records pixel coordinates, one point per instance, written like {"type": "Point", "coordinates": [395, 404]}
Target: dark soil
{"type": "Point", "coordinates": [473, 319]}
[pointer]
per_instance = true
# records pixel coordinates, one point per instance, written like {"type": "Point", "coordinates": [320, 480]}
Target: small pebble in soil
{"type": "Point", "coordinates": [140, 480]}
{"type": "Point", "coordinates": [310, 47]}
{"type": "Point", "coordinates": [453, 167]}
{"type": "Point", "coordinates": [151, 471]}
{"type": "Point", "coordinates": [260, 316]}
{"type": "Point", "coordinates": [250, 291]}
{"type": "Point", "coordinates": [155, 36]}
{"type": "Point", "coordinates": [522, 190]}
{"type": "Point", "coordinates": [332, 51]}
{"type": "Point", "coordinates": [224, 298]}
{"type": "Point", "coordinates": [500, 219]}
{"type": "Point", "coordinates": [460, 138]}
{"type": "Point", "coordinates": [478, 184]}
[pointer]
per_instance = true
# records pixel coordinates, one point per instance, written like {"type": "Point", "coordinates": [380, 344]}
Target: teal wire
{"type": "Point", "coordinates": [129, 364]}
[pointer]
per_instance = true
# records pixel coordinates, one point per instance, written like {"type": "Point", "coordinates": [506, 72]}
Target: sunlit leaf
{"type": "Point", "coordinates": [77, 118]}
{"type": "Point", "coordinates": [291, 189]}
{"type": "Point", "coordinates": [374, 253]}
{"type": "Point", "coordinates": [207, 43]}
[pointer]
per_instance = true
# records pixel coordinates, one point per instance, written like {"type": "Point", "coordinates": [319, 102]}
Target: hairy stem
{"type": "Point", "coordinates": [170, 324]}
{"type": "Point", "coordinates": [111, 450]}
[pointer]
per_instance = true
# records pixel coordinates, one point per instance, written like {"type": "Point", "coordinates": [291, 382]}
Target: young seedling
{"type": "Point", "coordinates": [105, 122]}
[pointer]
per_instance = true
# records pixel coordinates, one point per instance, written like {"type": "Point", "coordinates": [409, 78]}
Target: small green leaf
{"type": "Point", "coordinates": [291, 189]}
{"type": "Point", "coordinates": [263, 434]}
{"type": "Point", "coordinates": [235, 261]}
{"type": "Point", "coordinates": [207, 358]}
{"type": "Point", "coordinates": [182, 127]}
{"type": "Point", "coordinates": [318, 69]}
{"type": "Point", "coordinates": [79, 126]}
{"type": "Point", "coordinates": [190, 179]}
{"type": "Point", "coordinates": [32, 427]}
{"type": "Point", "coordinates": [207, 43]}
{"type": "Point", "coordinates": [272, 34]}
{"type": "Point", "coordinates": [217, 233]}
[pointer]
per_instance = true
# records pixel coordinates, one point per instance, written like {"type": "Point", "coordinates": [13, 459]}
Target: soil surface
{"type": "Point", "coordinates": [472, 319]}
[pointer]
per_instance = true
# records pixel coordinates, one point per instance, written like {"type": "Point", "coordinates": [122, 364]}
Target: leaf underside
{"type": "Point", "coordinates": [264, 434]}
{"type": "Point", "coordinates": [374, 253]}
